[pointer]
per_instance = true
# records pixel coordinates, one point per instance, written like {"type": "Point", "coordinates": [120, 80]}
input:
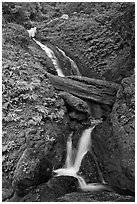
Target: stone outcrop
{"type": "Point", "coordinates": [113, 141]}
{"type": "Point", "coordinates": [32, 169]}
{"type": "Point", "coordinates": [74, 102]}
{"type": "Point", "coordinates": [95, 197]}
{"type": "Point", "coordinates": [48, 192]}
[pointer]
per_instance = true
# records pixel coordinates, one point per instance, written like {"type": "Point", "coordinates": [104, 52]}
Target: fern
{"type": "Point", "coordinates": [35, 120]}
{"type": "Point", "coordinates": [11, 117]}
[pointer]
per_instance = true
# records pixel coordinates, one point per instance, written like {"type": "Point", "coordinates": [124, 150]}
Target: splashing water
{"type": "Point", "coordinates": [91, 186]}
{"type": "Point", "coordinates": [73, 167]}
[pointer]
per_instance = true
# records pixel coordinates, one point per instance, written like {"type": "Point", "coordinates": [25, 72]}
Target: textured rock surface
{"type": "Point", "coordinates": [89, 169]}
{"type": "Point", "coordinates": [99, 37]}
{"type": "Point", "coordinates": [74, 102]}
{"type": "Point", "coordinates": [114, 139]}
{"type": "Point", "coordinates": [95, 197]}
{"type": "Point", "coordinates": [32, 169]}
{"type": "Point", "coordinates": [34, 116]}
{"type": "Point", "coordinates": [48, 192]}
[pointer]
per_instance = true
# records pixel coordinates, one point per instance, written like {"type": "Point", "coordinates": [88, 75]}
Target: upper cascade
{"type": "Point", "coordinates": [73, 64]}
{"type": "Point", "coordinates": [52, 56]}
{"type": "Point", "coordinates": [50, 53]}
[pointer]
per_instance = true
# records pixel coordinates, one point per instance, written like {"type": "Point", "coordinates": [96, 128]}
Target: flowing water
{"type": "Point", "coordinates": [52, 56]}
{"type": "Point", "coordinates": [72, 166]}
{"type": "Point", "coordinates": [73, 64]}
{"type": "Point", "coordinates": [73, 162]}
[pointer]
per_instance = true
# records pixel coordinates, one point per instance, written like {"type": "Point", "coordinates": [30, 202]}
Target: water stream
{"type": "Point", "coordinates": [52, 56]}
{"type": "Point", "coordinates": [73, 64]}
{"type": "Point", "coordinates": [73, 165]}
{"type": "Point", "coordinates": [73, 161]}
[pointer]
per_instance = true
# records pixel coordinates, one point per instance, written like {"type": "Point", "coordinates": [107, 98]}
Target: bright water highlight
{"type": "Point", "coordinates": [72, 167]}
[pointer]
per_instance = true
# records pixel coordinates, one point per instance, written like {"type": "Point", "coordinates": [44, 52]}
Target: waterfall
{"type": "Point", "coordinates": [48, 51]}
{"type": "Point", "coordinates": [69, 160]}
{"type": "Point", "coordinates": [73, 64]}
{"type": "Point", "coordinates": [52, 56]}
{"type": "Point", "coordinates": [73, 163]}
{"type": "Point", "coordinates": [73, 167]}
{"type": "Point", "coordinates": [83, 146]}
{"type": "Point", "coordinates": [91, 186]}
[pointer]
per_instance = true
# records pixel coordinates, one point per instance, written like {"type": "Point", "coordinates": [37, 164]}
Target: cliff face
{"type": "Point", "coordinates": [114, 140]}
{"type": "Point", "coordinates": [99, 37]}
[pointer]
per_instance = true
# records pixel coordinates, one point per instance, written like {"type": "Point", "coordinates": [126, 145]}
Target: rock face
{"type": "Point", "coordinates": [54, 188]}
{"type": "Point", "coordinates": [89, 169]}
{"type": "Point", "coordinates": [32, 169]}
{"type": "Point", "coordinates": [95, 197]}
{"type": "Point", "coordinates": [74, 102]}
{"type": "Point", "coordinates": [114, 139]}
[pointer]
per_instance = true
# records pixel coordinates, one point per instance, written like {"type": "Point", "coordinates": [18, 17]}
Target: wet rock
{"type": "Point", "coordinates": [78, 116]}
{"type": "Point", "coordinates": [94, 197]}
{"type": "Point", "coordinates": [74, 102]}
{"type": "Point", "coordinates": [113, 141]}
{"type": "Point", "coordinates": [54, 188]}
{"type": "Point", "coordinates": [89, 169]}
{"type": "Point", "coordinates": [32, 169]}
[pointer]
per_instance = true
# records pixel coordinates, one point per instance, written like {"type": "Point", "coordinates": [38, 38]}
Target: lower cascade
{"type": "Point", "coordinates": [73, 162]}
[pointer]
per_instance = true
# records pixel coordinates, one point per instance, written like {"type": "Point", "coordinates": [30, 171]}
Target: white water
{"type": "Point", "coordinates": [52, 56]}
{"type": "Point", "coordinates": [32, 32]}
{"type": "Point", "coordinates": [69, 160]}
{"type": "Point", "coordinates": [72, 164]}
{"type": "Point", "coordinates": [73, 64]}
{"type": "Point", "coordinates": [83, 146]}
{"type": "Point", "coordinates": [73, 167]}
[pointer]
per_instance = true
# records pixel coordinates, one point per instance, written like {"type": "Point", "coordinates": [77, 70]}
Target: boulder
{"type": "Point", "coordinates": [33, 168]}
{"type": "Point", "coordinates": [89, 169]}
{"type": "Point", "coordinates": [113, 141]}
{"type": "Point", "coordinates": [48, 192]}
{"type": "Point", "coordinates": [94, 197]}
{"type": "Point", "coordinates": [78, 116]}
{"type": "Point", "coordinates": [74, 103]}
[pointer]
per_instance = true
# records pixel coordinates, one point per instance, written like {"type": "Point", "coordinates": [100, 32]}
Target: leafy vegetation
{"type": "Point", "coordinates": [100, 37]}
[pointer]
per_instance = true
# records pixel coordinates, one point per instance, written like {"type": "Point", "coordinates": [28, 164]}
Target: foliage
{"type": "Point", "coordinates": [100, 37]}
